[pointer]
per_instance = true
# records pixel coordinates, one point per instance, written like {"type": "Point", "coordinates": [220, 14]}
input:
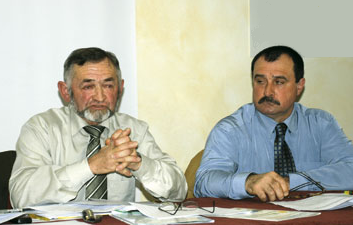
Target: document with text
{"type": "Point", "coordinates": [328, 201]}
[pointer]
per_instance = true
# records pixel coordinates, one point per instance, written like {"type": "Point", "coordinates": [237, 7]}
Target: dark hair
{"type": "Point", "coordinates": [82, 55]}
{"type": "Point", "coordinates": [271, 54]}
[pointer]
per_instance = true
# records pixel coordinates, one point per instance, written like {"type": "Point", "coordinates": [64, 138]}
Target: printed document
{"type": "Point", "coordinates": [328, 201]}
{"type": "Point", "coordinates": [152, 211]}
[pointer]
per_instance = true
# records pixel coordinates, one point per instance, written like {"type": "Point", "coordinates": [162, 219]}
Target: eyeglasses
{"type": "Point", "coordinates": [173, 207]}
{"type": "Point", "coordinates": [306, 195]}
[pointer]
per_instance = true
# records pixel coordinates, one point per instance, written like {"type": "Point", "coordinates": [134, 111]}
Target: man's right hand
{"type": "Point", "coordinates": [268, 186]}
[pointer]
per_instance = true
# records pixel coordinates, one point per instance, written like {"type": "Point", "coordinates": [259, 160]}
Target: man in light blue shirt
{"type": "Point", "coordinates": [238, 161]}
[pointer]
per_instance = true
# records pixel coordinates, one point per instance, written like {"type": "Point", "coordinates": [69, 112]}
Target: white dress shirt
{"type": "Point", "coordinates": [51, 164]}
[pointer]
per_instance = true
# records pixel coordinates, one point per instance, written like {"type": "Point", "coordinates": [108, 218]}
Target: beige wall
{"type": "Point", "coordinates": [193, 68]}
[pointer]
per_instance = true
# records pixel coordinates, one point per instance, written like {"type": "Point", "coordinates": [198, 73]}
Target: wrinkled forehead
{"type": "Point", "coordinates": [283, 65]}
{"type": "Point", "coordinates": [95, 70]}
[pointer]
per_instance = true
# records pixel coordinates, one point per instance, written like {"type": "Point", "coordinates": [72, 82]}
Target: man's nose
{"type": "Point", "coordinates": [269, 89]}
{"type": "Point", "coordinates": [99, 94]}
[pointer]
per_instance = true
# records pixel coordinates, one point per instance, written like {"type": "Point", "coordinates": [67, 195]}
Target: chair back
{"type": "Point", "coordinates": [190, 173]}
{"type": "Point", "coordinates": [7, 158]}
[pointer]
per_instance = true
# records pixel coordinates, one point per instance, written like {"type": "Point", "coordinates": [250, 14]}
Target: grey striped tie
{"type": "Point", "coordinates": [96, 188]}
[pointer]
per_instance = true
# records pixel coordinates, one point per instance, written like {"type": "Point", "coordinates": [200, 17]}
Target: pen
{"type": "Point", "coordinates": [76, 217]}
{"type": "Point", "coordinates": [69, 217]}
{"type": "Point", "coordinates": [34, 216]}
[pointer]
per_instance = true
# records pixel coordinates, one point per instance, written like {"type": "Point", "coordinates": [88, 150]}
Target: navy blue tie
{"type": "Point", "coordinates": [284, 162]}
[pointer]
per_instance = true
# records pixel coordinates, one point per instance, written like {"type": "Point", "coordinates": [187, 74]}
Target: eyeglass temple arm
{"type": "Point", "coordinates": [213, 207]}
{"type": "Point", "coordinates": [312, 181]}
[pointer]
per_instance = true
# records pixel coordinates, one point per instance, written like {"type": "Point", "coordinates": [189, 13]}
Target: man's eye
{"type": "Point", "coordinates": [279, 82]}
{"type": "Point", "coordinates": [259, 81]}
{"type": "Point", "coordinates": [88, 87]}
{"type": "Point", "coordinates": [109, 86]}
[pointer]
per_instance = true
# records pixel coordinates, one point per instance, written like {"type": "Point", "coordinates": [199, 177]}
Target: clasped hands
{"type": "Point", "coordinates": [118, 155]}
{"type": "Point", "coordinates": [268, 186]}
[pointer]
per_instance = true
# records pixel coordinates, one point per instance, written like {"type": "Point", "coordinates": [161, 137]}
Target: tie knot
{"type": "Point", "coordinates": [281, 129]}
{"type": "Point", "coordinates": [94, 130]}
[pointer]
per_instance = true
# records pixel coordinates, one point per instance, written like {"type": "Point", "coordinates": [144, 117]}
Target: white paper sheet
{"type": "Point", "coordinates": [4, 217]}
{"type": "Point", "coordinates": [73, 210]}
{"type": "Point", "coordinates": [151, 210]}
{"type": "Point", "coordinates": [239, 213]}
{"type": "Point", "coordinates": [328, 201]}
{"type": "Point", "coordinates": [136, 217]}
{"type": "Point", "coordinates": [266, 215]}
{"type": "Point", "coordinates": [68, 222]}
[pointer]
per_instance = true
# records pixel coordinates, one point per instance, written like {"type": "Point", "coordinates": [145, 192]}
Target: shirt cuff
{"type": "Point", "coordinates": [295, 180]}
{"type": "Point", "coordinates": [237, 190]}
{"type": "Point", "coordinates": [76, 174]}
{"type": "Point", "coordinates": [146, 165]}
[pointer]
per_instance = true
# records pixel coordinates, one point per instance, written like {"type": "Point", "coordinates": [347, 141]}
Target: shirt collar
{"type": "Point", "coordinates": [292, 120]}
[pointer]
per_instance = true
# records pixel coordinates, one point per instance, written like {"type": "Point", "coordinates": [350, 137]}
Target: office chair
{"type": "Point", "coordinates": [190, 173]}
{"type": "Point", "coordinates": [7, 159]}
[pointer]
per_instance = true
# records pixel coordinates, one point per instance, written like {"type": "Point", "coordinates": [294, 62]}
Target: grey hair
{"type": "Point", "coordinates": [81, 56]}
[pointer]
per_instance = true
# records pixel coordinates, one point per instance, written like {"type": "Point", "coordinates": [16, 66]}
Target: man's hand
{"type": "Point", "coordinates": [268, 186]}
{"type": "Point", "coordinates": [116, 156]}
{"type": "Point", "coordinates": [125, 153]}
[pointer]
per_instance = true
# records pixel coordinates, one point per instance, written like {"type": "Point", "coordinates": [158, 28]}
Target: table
{"type": "Point", "coordinates": [341, 216]}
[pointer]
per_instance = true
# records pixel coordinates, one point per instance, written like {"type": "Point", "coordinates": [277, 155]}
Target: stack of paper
{"type": "Point", "coordinates": [6, 215]}
{"type": "Point", "coordinates": [73, 210]}
{"type": "Point", "coordinates": [328, 201]}
{"type": "Point", "coordinates": [135, 217]}
{"type": "Point", "coordinates": [152, 211]}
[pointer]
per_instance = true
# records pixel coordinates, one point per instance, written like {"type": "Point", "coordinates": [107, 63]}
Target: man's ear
{"type": "Point", "coordinates": [121, 88]}
{"type": "Point", "coordinates": [300, 86]}
{"type": "Point", "coordinates": [64, 91]}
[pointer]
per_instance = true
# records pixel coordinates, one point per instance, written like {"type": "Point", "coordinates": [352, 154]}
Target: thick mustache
{"type": "Point", "coordinates": [97, 104]}
{"type": "Point", "coordinates": [268, 99]}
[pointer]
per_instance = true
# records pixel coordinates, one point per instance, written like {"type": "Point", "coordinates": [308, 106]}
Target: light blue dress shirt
{"type": "Point", "coordinates": [243, 143]}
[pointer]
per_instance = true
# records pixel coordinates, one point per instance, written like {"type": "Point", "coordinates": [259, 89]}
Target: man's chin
{"type": "Point", "coordinates": [267, 109]}
{"type": "Point", "coordinates": [97, 116]}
